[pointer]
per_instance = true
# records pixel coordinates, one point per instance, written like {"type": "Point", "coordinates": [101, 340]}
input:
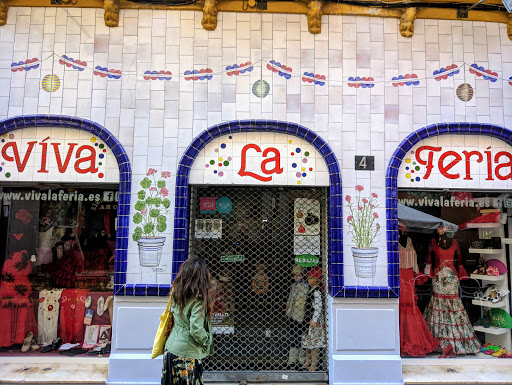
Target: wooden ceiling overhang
{"type": "Point", "coordinates": [407, 11]}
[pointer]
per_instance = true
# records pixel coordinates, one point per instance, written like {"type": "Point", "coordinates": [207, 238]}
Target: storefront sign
{"type": "Point", "coordinates": [207, 205]}
{"type": "Point", "coordinates": [53, 158]}
{"type": "Point", "coordinates": [307, 260]}
{"type": "Point", "coordinates": [260, 158]}
{"type": "Point", "coordinates": [232, 258]}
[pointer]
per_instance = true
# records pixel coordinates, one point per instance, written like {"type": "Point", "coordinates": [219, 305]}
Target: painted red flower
{"type": "Point", "coordinates": [375, 215]}
{"type": "Point", "coordinates": [359, 188]}
{"type": "Point", "coordinates": [166, 174]}
{"type": "Point", "coordinates": [365, 200]}
{"type": "Point", "coordinates": [73, 306]}
{"type": "Point", "coordinates": [152, 189]}
{"type": "Point", "coordinates": [360, 208]}
{"type": "Point", "coordinates": [375, 195]}
{"type": "Point", "coordinates": [348, 198]}
{"type": "Point", "coordinates": [24, 216]}
{"type": "Point", "coordinates": [372, 205]}
{"type": "Point", "coordinates": [164, 192]}
{"type": "Point", "coordinates": [349, 218]}
{"type": "Point", "coordinates": [41, 300]}
{"type": "Point", "coordinates": [151, 171]}
{"type": "Point", "coordinates": [50, 307]}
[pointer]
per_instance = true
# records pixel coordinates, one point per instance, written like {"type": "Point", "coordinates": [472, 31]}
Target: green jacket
{"type": "Point", "coordinates": [191, 334]}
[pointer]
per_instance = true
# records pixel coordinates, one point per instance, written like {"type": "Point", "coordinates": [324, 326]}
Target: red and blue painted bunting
{"type": "Point", "coordinates": [443, 73]}
{"type": "Point", "coordinates": [364, 82]}
{"type": "Point", "coordinates": [281, 69]}
{"type": "Point", "coordinates": [204, 74]}
{"type": "Point", "coordinates": [405, 80]}
{"type": "Point", "coordinates": [70, 62]}
{"type": "Point", "coordinates": [510, 82]}
{"type": "Point", "coordinates": [105, 72]}
{"type": "Point", "coordinates": [241, 69]}
{"type": "Point", "coordinates": [158, 75]}
{"type": "Point", "coordinates": [481, 71]}
{"type": "Point", "coordinates": [310, 77]}
{"type": "Point", "coordinates": [27, 65]}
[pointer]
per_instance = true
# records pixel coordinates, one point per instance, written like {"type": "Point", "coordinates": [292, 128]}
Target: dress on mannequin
{"type": "Point", "coordinates": [415, 337]}
{"type": "Point", "coordinates": [445, 314]}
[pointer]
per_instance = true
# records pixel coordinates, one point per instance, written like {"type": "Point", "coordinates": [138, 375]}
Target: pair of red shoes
{"type": "Point", "coordinates": [447, 351]}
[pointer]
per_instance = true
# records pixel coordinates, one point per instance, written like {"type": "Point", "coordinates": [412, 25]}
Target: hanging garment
{"type": "Point", "coordinates": [445, 315]}
{"type": "Point", "coordinates": [315, 336]}
{"type": "Point", "coordinates": [44, 251]}
{"type": "Point", "coordinates": [72, 312]}
{"type": "Point", "coordinates": [48, 316]}
{"type": "Point", "coordinates": [415, 337]}
{"type": "Point", "coordinates": [17, 317]}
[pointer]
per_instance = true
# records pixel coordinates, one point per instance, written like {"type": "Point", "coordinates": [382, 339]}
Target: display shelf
{"type": "Point", "coordinates": [483, 225]}
{"type": "Point", "coordinates": [491, 330]}
{"type": "Point", "coordinates": [485, 251]}
{"type": "Point", "coordinates": [489, 278]}
{"type": "Point", "coordinates": [500, 304]}
{"type": "Point", "coordinates": [506, 241]}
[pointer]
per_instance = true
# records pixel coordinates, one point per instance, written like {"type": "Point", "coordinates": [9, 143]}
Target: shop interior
{"type": "Point", "coordinates": [454, 250]}
{"type": "Point", "coordinates": [57, 248]}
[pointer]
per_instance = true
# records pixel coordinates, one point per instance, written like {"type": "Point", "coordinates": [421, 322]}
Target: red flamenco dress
{"type": "Point", "coordinates": [445, 314]}
{"type": "Point", "coordinates": [17, 317]}
{"type": "Point", "coordinates": [415, 337]}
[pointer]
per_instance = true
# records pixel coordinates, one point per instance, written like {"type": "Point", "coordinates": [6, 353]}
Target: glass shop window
{"type": "Point", "coordinates": [454, 250]}
{"type": "Point", "coordinates": [57, 247]}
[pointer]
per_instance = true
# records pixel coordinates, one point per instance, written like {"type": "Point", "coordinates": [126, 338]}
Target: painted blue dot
{"type": "Point", "coordinates": [96, 144]}
{"type": "Point", "coordinates": [223, 145]}
{"type": "Point", "coordinates": [407, 168]}
{"type": "Point", "coordinates": [3, 140]}
{"type": "Point", "coordinates": [215, 172]}
{"type": "Point", "coordinates": [0, 168]}
{"type": "Point", "coordinates": [417, 179]}
{"type": "Point", "coordinates": [304, 174]}
{"type": "Point", "coordinates": [294, 165]}
{"type": "Point", "coordinates": [230, 137]}
{"type": "Point", "coordinates": [101, 156]}
{"type": "Point", "coordinates": [297, 150]}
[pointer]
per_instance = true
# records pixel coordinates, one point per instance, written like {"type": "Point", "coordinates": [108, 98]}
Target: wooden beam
{"type": "Point", "coordinates": [209, 21]}
{"type": "Point", "coordinates": [4, 9]}
{"type": "Point", "coordinates": [111, 13]}
{"type": "Point", "coordinates": [509, 27]}
{"type": "Point", "coordinates": [314, 16]}
{"type": "Point", "coordinates": [407, 22]}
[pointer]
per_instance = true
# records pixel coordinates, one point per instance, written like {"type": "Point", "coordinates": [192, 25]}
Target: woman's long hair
{"type": "Point", "coordinates": [193, 281]}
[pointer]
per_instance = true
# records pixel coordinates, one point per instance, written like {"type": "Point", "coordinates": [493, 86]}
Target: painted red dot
{"type": "Point", "coordinates": [311, 169]}
{"type": "Point", "coordinates": [293, 153]}
{"type": "Point", "coordinates": [104, 150]}
{"type": "Point", "coordinates": [220, 164]}
{"type": "Point", "coordinates": [412, 152]}
{"type": "Point", "coordinates": [412, 171]}
{"type": "Point", "coordinates": [100, 175]}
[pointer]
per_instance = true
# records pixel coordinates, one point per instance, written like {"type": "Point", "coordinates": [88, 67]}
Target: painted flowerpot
{"type": "Point", "coordinates": [365, 261]}
{"type": "Point", "coordinates": [150, 251]}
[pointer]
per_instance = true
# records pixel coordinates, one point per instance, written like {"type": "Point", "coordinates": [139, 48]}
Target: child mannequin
{"type": "Point", "coordinates": [295, 311]}
{"type": "Point", "coordinates": [314, 338]}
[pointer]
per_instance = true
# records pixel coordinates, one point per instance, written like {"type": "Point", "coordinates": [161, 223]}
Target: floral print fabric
{"type": "Point", "coordinates": [181, 370]}
{"type": "Point", "coordinates": [48, 316]}
{"type": "Point", "coordinates": [446, 317]}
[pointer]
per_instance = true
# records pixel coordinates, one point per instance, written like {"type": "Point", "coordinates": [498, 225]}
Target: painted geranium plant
{"type": "Point", "coordinates": [362, 218]}
{"type": "Point", "coordinates": [152, 206]}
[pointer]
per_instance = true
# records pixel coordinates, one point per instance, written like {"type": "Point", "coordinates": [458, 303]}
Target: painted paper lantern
{"type": "Point", "coordinates": [51, 83]}
{"type": "Point", "coordinates": [260, 88]}
{"type": "Point", "coordinates": [465, 92]}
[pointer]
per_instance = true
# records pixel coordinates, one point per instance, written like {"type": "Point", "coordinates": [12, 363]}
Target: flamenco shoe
{"type": "Point", "coordinates": [447, 351]}
{"type": "Point", "coordinates": [315, 356]}
{"type": "Point", "coordinates": [27, 342]}
{"type": "Point", "coordinates": [307, 364]}
{"type": "Point", "coordinates": [499, 352]}
{"type": "Point", "coordinates": [34, 346]}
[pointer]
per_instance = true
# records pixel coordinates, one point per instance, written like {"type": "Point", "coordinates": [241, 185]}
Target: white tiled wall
{"type": "Point", "coordinates": [155, 120]}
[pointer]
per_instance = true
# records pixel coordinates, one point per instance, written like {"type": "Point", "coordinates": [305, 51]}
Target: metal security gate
{"type": "Point", "coordinates": [263, 246]}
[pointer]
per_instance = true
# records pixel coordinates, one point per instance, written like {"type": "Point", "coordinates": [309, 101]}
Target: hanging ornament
{"type": "Point", "coordinates": [465, 92]}
{"type": "Point", "coordinates": [51, 83]}
{"type": "Point", "coordinates": [260, 88]}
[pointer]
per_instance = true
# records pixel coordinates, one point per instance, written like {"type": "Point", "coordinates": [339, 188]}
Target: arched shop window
{"type": "Point", "coordinates": [450, 207]}
{"type": "Point", "coordinates": [60, 207]}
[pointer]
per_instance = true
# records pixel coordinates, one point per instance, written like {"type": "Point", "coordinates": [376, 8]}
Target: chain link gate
{"type": "Point", "coordinates": [263, 246]}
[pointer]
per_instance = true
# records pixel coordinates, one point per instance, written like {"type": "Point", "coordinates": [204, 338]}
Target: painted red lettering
{"type": "Point", "coordinates": [44, 154]}
{"type": "Point", "coordinates": [242, 171]}
{"type": "Point", "coordinates": [444, 169]}
{"type": "Point", "coordinates": [489, 164]}
{"type": "Point", "coordinates": [276, 159]}
{"type": "Point", "coordinates": [91, 158]}
{"type": "Point", "coordinates": [468, 155]}
{"type": "Point", "coordinates": [430, 160]}
{"type": "Point", "coordinates": [63, 167]}
{"type": "Point", "coordinates": [504, 165]}
{"type": "Point", "coordinates": [19, 164]}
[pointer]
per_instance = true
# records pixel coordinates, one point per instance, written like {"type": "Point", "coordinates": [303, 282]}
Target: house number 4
{"type": "Point", "coordinates": [365, 163]}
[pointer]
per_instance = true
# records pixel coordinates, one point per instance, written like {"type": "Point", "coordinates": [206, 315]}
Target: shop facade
{"type": "Point", "coordinates": [254, 141]}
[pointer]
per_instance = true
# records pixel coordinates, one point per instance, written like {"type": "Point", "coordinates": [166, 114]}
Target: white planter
{"type": "Point", "coordinates": [365, 261]}
{"type": "Point", "coordinates": [150, 251]}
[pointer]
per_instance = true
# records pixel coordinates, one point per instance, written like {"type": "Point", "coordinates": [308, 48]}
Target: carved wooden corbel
{"type": "Point", "coordinates": [315, 16]}
{"type": "Point", "coordinates": [111, 12]}
{"type": "Point", "coordinates": [407, 22]}
{"type": "Point", "coordinates": [509, 26]}
{"type": "Point", "coordinates": [3, 12]}
{"type": "Point", "coordinates": [209, 21]}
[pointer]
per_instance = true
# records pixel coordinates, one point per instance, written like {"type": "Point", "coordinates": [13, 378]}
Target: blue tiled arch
{"type": "Point", "coordinates": [409, 142]}
{"type": "Point", "coordinates": [125, 175]}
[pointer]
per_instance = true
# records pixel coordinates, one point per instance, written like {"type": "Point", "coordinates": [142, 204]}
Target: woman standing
{"type": "Point", "coordinates": [191, 336]}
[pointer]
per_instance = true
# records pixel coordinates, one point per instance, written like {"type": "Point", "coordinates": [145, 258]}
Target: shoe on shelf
{"type": "Point", "coordinates": [447, 351]}
{"type": "Point", "coordinates": [34, 346]}
{"type": "Point", "coordinates": [53, 346]}
{"type": "Point", "coordinates": [100, 310]}
{"type": "Point", "coordinates": [27, 342]}
{"type": "Point", "coordinates": [499, 352]}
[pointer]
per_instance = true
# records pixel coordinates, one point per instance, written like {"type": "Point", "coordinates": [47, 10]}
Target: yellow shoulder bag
{"type": "Point", "coordinates": [164, 329]}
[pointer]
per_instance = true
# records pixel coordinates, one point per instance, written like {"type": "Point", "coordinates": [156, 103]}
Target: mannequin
{"type": "Point", "coordinates": [295, 312]}
{"type": "Point", "coordinates": [314, 339]}
{"type": "Point", "coordinates": [445, 315]}
{"type": "Point", "coordinates": [415, 337]}
{"type": "Point", "coordinates": [260, 281]}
